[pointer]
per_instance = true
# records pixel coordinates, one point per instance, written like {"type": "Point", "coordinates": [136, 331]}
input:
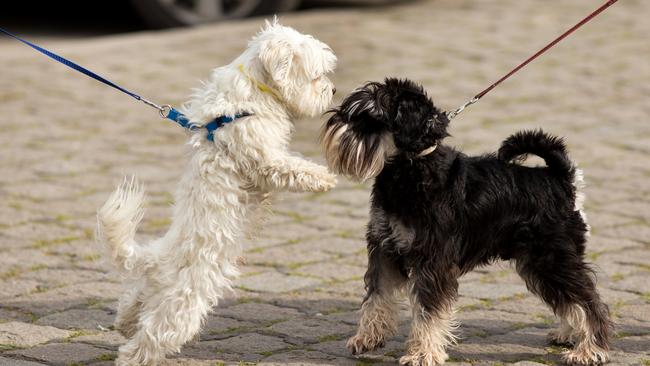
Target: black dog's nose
{"type": "Point", "coordinates": [333, 91]}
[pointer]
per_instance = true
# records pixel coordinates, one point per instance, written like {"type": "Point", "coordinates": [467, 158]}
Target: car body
{"type": "Point", "coordinates": [174, 13]}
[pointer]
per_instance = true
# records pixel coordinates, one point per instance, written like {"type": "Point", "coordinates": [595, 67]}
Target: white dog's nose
{"type": "Point", "coordinates": [333, 91]}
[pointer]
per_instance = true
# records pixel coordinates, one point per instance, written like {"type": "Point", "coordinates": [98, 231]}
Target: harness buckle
{"type": "Point", "coordinates": [164, 110]}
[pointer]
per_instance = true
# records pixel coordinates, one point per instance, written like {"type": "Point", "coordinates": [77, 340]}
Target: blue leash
{"type": "Point", "coordinates": [166, 111]}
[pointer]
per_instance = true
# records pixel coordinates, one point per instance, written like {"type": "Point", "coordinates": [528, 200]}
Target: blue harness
{"type": "Point", "coordinates": [211, 126]}
{"type": "Point", "coordinates": [166, 111]}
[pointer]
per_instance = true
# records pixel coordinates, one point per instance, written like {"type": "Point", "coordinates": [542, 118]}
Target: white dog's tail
{"type": "Point", "coordinates": [117, 221]}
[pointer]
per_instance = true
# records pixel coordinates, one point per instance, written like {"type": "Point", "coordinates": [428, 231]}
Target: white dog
{"type": "Point", "coordinates": [175, 280]}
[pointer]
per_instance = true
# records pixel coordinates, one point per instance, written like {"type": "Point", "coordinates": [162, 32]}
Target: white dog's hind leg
{"type": "Point", "coordinates": [166, 323]}
{"type": "Point", "coordinates": [296, 174]}
{"type": "Point", "coordinates": [117, 221]}
{"type": "Point", "coordinates": [128, 311]}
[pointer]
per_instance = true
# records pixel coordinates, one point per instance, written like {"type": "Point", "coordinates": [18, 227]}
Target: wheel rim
{"type": "Point", "coordinates": [201, 11]}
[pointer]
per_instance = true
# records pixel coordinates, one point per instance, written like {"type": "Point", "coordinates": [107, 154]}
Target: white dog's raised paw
{"type": "Point", "coordinates": [321, 181]}
{"type": "Point", "coordinates": [424, 358]}
{"type": "Point", "coordinates": [327, 182]}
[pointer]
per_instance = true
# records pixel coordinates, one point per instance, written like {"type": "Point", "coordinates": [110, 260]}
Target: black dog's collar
{"type": "Point", "coordinates": [428, 150]}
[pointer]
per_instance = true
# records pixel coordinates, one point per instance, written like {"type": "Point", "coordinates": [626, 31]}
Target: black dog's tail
{"type": "Point", "coordinates": [550, 148]}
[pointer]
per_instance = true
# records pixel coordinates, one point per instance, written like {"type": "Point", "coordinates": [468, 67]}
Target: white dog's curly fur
{"type": "Point", "coordinates": [175, 280]}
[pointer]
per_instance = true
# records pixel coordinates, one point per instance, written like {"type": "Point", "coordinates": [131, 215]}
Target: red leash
{"type": "Point", "coordinates": [531, 58]}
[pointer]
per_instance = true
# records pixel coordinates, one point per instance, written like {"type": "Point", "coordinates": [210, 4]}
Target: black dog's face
{"type": "Point", "coordinates": [378, 121]}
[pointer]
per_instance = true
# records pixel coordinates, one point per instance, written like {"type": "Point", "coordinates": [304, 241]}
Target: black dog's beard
{"type": "Point", "coordinates": [360, 157]}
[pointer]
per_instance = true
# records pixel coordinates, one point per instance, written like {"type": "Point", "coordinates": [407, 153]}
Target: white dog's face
{"type": "Point", "coordinates": [297, 65]}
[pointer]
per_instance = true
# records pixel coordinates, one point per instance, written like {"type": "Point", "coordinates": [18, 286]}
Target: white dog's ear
{"type": "Point", "coordinates": [277, 57]}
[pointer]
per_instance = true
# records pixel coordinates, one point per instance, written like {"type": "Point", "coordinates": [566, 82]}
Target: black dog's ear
{"type": "Point", "coordinates": [371, 98]}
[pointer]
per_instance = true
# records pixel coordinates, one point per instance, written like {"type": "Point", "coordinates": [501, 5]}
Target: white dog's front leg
{"type": "Point", "coordinates": [295, 174]}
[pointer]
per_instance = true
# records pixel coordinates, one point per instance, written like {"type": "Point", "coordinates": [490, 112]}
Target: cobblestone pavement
{"type": "Point", "coordinates": [66, 141]}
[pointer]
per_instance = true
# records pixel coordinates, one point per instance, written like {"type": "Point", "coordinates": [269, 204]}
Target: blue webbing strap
{"type": "Point", "coordinates": [72, 65]}
{"type": "Point", "coordinates": [220, 121]}
{"type": "Point", "coordinates": [171, 113]}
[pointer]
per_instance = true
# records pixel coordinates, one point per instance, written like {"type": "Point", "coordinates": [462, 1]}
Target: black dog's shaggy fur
{"type": "Point", "coordinates": [436, 215]}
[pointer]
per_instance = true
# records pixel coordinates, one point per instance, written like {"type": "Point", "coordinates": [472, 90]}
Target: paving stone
{"type": "Point", "coordinates": [332, 271]}
{"type": "Point", "coordinates": [348, 317]}
{"type": "Point", "coordinates": [335, 245]}
{"type": "Point", "coordinates": [222, 327]}
{"type": "Point", "coordinates": [498, 352]}
{"type": "Point", "coordinates": [23, 260]}
{"type": "Point", "coordinates": [277, 256]}
{"type": "Point", "coordinates": [17, 286]}
{"type": "Point", "coordinates": [60, 299]}
{"type": "Point", "coordinates": [530, 304]}
{"type": "Point", "coordinates": [62, 353]}
{"type": "Point", "coordinates": [318, 303]}
{"type": "Point", "coordinates": [634, 283]}
{"type": "Point", "coordinates": [186, 362]}
{"type": "Point", "coordinates": [258, 312]}
{"type": "Point", "coordinates": [78, 319]}
{"type": "Point", "coordinates": [7, 315]}
{"type": "Point", "coordinates": [275, 282]}
{"type": "Point", "coordinates": [102, 338]}
{"type": "Point", "coordinates": [52, 277]}
{"type": "Point", "coordinates": [623, 359]}
{"type": "Point", "coordinates": [341, 222]}
{"type": "Point", "coordinates": [249, 343]}
{"type": "Point", "coordinates": [305, 358]}
{"type": "Point", "coordinates": [335, 347]}
{"type": "Point", "coordinates": [610, 296]}
{"type": "Point", "coordinates": [350, 288]}
{"type": "Point", "coordinates": [500, 322]}
{"type": "Point", "coordinates": [634, 344]}
{"type": "Point", "coordinates": [19, 334]}
{"type": "Point", "coordinates": [311, 330]}
{"type": "Point", "coordinates": [492, 290]}
{"type": "Point", "coordinates": [16, 362]}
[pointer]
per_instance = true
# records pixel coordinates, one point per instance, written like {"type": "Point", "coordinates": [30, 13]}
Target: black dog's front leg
{"type": "Point", "coordinates": [434, 289]}
{"type": "Point", "coordinates": [384, 282]}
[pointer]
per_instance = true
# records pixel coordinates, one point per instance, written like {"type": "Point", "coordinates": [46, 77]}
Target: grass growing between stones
{"type": "Point", "coordinates": [295, 216]}
{"type": "Point", "coordinates": [9, 274]}
{"type": "Point", "coordinates": [107, 357]}
{"type": "Point", "coordinates": [519, 325]}
{"type": "Point", "coordinates": [556, 350]}
{"type": "Point", "coordinates": [40, 244]}
{"type": "Point", "coordinates": [483, 304]}
{"type": "Point", "coordinates": [615, 308]}
{"type": "Point", "coordinates": [330, 338]}
{"type": "Point", "coordinates": [541, 360]}
{"type": "Point", "coordinates": [646, 296]}
{"type": "Point", "coordinates": [365, 362]}
{"type": "Point", "coordinates": [8, 347]}
{"type": "Point", "coordinates": [544, 318]}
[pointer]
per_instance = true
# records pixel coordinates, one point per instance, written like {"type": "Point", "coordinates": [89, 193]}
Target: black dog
{"type": "Point", "coordinates": [438, 213]}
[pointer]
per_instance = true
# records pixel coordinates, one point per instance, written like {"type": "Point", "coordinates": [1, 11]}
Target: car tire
{"type": "Point", "coordinates": [276, 7]}
{"type": "Point", "coordinates": [166, 14]}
